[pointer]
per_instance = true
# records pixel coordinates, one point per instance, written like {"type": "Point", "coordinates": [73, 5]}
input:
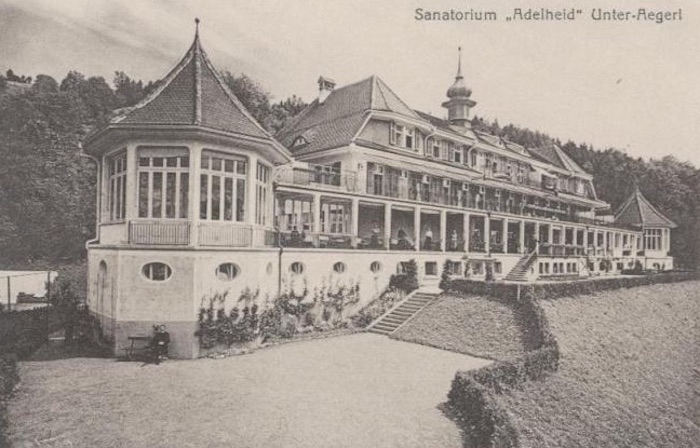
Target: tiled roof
{"type": "Point", "coordinates": [556, 156]}
{"type": "Point", "coordinates": [637, 211]}
{"type": "Point", "coordinates": [193, 93]}
{"type": "Point", "coordinates": [338, 119]}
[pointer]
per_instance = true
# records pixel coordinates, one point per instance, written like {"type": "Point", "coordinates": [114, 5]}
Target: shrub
{"type": "Point", "coordinates": [408, 280]}
{"type": "Point", "coordinates": [9, 377]}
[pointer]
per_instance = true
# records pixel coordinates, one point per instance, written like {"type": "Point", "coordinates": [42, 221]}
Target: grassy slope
{"type": "Point", "coordinates": [472, 325]}
{"type": "Point", "coordinates": [629, 374]}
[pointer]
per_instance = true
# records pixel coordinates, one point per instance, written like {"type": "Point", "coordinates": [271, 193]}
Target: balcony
{"type": "Point", "coordinates": [175, 233]}
{"type": "Point", "coordinates": [342, 181]}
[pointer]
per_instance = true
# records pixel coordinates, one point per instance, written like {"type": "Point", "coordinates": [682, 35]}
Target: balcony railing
{"type": "Point", "coordinates": [317, 240]}
{"type": "Point", "coordinates": [225, 234]}
{"type": "Point", "coordinates": [159, 233]}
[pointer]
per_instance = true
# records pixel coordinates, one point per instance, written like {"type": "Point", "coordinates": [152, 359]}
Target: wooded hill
{"type": "Point", "coordinates": [47, 187]}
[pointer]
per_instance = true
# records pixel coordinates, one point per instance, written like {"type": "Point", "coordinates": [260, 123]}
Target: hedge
{"type": "Point", "coordinates": [555, 290]}
{"type": "Point", "coordinates": [21, 333]}
{"type": "Point", "coordinates": [472, 392]}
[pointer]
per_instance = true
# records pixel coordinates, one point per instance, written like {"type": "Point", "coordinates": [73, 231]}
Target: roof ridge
{"type": "Point", "coordinates": [381, 83]}
{"type": "Point", "coordinates": [236, 102]}
{"type": "Point", "coordinates": [167, 79]}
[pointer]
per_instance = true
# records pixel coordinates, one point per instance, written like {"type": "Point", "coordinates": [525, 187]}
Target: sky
{"type": "Point", "coordinates": [633, 85]}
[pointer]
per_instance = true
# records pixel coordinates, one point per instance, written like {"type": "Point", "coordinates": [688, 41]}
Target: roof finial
{"type": "Point", "coordinates": [459, 62]}
{"type": "Point", "coordinates": [196, 24]}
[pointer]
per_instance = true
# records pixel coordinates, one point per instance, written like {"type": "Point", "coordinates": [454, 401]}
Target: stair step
{"type": "Point", "coordinates": [394, 320]}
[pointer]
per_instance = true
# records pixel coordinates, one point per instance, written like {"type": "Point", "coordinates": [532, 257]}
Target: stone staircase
{"type": "Point", "coordinates": [403, 312]}
{"type": "Point", "coordinates": [520, 270]}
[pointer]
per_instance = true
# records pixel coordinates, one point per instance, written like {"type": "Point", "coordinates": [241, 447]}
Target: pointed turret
{"type": "Point", "coordinates": [638, 212]}
{"type": "Point", "coordinates": [459, 102]}
{"type": "Point", "coordinates": [193, 95]}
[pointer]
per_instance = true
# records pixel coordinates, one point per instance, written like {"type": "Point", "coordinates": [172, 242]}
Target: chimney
{"type": "Point", "coordinates": [325, 87]}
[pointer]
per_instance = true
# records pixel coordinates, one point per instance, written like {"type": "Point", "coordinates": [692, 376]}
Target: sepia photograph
{"type": "Point", "coordinates": [360, 224]}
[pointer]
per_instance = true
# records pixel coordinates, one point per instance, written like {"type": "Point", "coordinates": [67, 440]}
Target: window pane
{"type": "Point", "coordinates": [205, 162]}
{"type": "Point", "coordinates": [240, 199]}
{"type": "Point", "coordinates": [184, 162]}
{"type": "Point", "coordinates": [228, 166]}
{"type": "Point", "coordinates": [157, 161]}
{"type": "Point", "coordinates": [203, 196]}
{"type": "Point", "coordinates": [241, 167]}
{"type": "Point", "coordinates": [215, 195]}
{"type": "Point", "coordinates": [170, 194]}
{"type": "Point", "coordinates": [228, 199]}
{"type": "Point", "coordinates": [216, 164]}
{"type": "Point", "coordinates": [171, 161]}
{"type": "Point", "coordinates": [143, 195]}
{"type": "Point", "coordinates": [157, 195]}
{"type": "Point", "coordinates": [184, 194]}
{"type": "Point", "coordinates": [143, 161]}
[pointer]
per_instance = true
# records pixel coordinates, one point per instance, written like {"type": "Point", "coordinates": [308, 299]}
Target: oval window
{"type": "Point", "coordinates": [297, 268]}
{"type": "Point", "coordinates": [339, 267]}
{"type": "Point", "coordinates": [375, 267]}
{"type": "Point", "coordinates": [227, 272]}
{"type": "Point", "coordinates": [157, 271]}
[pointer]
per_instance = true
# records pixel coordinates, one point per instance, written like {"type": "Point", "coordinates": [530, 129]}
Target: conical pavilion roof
{"type": "Point", "coordinates": [193, 93]}
{"type": "Point", "coordinates": [637, 211]}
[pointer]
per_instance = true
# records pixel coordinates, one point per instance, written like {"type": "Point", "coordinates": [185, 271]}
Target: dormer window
{"type": "Point", "coordinates": [299, 141]}
{"type": "Point", "coordinates": [402, 136]}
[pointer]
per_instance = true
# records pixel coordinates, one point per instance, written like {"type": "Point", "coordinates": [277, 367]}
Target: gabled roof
{"type": "Point", "coordinates": [637, 211]}
{"type": "Point", "coordinates": [556, 156]}
{"type": "Point", "coordinates": [193, 93]}
{"type": "Point", "coordinates": [336, 121]}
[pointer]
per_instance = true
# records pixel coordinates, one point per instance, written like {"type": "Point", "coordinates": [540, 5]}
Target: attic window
{"type": "Point", "coordinates": [299, 141]}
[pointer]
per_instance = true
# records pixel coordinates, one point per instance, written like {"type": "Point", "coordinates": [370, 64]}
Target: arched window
{"type": "Point", "coordinates": [227, 272]}
{"type": "Point", "coordinates": [339, 267]}
{"type": "Point", "coordinates": [375, 267]}
{"type": "Point", "coordinates": [157, 271]}
{"type": "Point", "coordinates": [297, 268]}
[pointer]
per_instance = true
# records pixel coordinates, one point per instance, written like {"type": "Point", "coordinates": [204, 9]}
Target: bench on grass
{"type": "Point", "coordinates": [138, 346]}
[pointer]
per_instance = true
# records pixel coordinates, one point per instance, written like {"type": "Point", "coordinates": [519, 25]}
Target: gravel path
{"type": "Point", "coordinates": [362, 390]}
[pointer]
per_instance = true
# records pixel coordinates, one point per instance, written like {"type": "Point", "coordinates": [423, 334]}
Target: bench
{"type": "Point", "coordinates": [139, 345]}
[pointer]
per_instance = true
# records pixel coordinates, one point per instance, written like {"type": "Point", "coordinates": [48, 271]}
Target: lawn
{"type": "Point", "coordinates": [473, 325]}
{"type": "Point", "coordinates": [362, 390]}
{"type": "Point", "coordinates": [629, 374]}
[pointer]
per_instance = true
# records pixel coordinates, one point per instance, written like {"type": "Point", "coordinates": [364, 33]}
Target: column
{"type": "Point", "coordinates": [537, 236]}
{"type": "Point", "coordinates": [443, 230]}
{"type": "Point", "coordinates": [416, 228]}
{"type": "Point", "coordinates": [465, 231]}
{"type": "Point", "coordinates": [316, 204]}
{"type": "Point", "coordinates": [132, 172]}
{"type": "Point", "coordinates": [355, 217]}
{"type": "Point", "coordinates": [194, 193]}
{"type": "Point", "coordinates": [585, 241]}
{"type": "Point", "coordinates": [387, 225]}
{"type": "Point", "coordinates": [251, 180]}
{"type": "Point", "coordinates": [505, 235]}
{"type": "Point", "coordinates": [487, 234]}
{"type": "Point", "coordinates": [522, 237]}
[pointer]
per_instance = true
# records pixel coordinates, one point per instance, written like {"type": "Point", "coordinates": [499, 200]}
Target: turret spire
{"type": "Point", "coordinates": [459, 102]}
{"type": "Point", "coordinates": [459, 63]}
